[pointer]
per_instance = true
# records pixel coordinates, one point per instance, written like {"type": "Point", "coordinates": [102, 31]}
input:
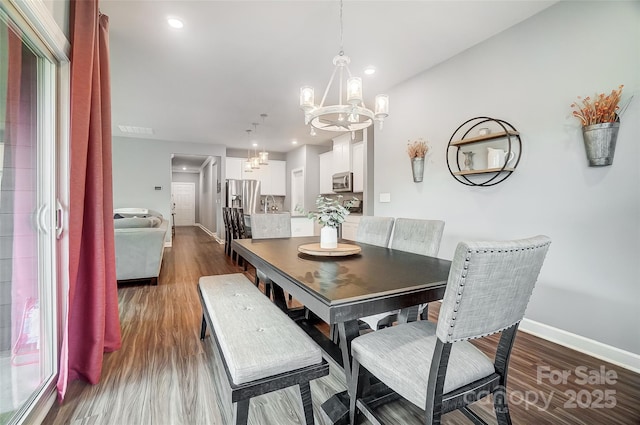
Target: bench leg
{"type": "Point", "coordinates": [203, 328]}
{"type": "Point", "coordinates": [242, 412]}
{"type": "Point", "coordinates": [305, 394]}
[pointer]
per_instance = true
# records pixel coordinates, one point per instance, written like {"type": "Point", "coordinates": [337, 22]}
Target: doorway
{"type": "Point", "coordinates": [297, 189]}
{"type": "Point", "coordinates": [183, 196]}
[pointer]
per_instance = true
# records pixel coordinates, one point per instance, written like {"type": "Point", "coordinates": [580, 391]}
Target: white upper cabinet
{"type": "Point", "coordinates": [234, 168]}
{"type": "Point", "coordinates": [272, 177]}
{"type": "Point", "coordinates": [278, 177]}
{"type": "Point", "coordinates": [326, 172]}
{"type": "Point", "coordinates": [342, 153]}
{"type": "Point", "coordinates": [357, 166]}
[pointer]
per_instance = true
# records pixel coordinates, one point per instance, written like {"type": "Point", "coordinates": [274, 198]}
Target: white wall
{"type": "Point", "coordinates": [140, 164]}
{"type": "Point", "coordinates": [529, 75]}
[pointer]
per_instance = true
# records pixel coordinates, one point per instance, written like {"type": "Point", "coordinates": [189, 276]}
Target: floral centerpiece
{"type": "Point", "coordinates": [600, 119]}
{"type": "Point", "coordinates": [417, 150]}
{"type": "Point", "coordinates": [330, 213]}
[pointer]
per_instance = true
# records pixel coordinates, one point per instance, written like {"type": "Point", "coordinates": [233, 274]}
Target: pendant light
{"type": "Point", "coordinates": [247, 163]}
{"type": "Point", "coordinates": [264, 155]}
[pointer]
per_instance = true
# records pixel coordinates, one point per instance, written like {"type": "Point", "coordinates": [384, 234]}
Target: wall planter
{"type": "Point", "coordinates": [600, 119]}
{"type": "Point", "coordinates": [417, 151]}
{"type": "Point", "coordinates": [417, 168]}
{"type": "Point", "coordinates": [600, 142]}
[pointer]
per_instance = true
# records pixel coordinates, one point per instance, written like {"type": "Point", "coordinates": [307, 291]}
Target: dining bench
{"type": "Point", "coordinates": [259, 347]}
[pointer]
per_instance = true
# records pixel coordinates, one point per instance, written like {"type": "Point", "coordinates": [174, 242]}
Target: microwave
{"type": "Point", "coordinates": [342, 182]}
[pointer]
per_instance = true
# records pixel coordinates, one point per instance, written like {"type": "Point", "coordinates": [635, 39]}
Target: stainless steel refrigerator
{"type": "Point", "coordinates": [243, 194]}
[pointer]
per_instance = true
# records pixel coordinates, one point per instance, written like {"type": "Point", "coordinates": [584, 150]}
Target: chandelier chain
{"type": "Point", "coordinates": [341, 31]}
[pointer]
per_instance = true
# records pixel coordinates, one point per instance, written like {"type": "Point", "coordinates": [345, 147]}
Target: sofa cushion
{"type": "Point", "coordinates": [136, 222]}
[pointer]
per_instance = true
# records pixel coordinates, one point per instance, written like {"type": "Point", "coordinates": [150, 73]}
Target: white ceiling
{"type": "Point", "coordinates": [235, 60]}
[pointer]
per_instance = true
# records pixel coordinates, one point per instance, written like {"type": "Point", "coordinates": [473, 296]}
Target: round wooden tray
{"type": "Point", "coordinates": [342, 250]}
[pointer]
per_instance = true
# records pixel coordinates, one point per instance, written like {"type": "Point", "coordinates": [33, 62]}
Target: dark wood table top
{"type": "Point", "coordinates": [345, 288]}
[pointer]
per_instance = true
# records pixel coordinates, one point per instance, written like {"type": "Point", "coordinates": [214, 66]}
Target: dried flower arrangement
{"type": "Point", "coordinates": [417, 148]}
{"type": "Point", "coordinates": [603, 108]}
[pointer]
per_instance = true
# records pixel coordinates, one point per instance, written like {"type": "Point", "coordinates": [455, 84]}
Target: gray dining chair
{"type": "Point", "coordinates": [269, 226]}
{"type": "Point", "coordinates": [433, 365]}
{"type": "Point", "coordinates": [418, 236]}
{"type": "Point", "coordinates": [374, 230]}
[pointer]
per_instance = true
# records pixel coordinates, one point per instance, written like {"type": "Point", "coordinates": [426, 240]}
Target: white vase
{"type": "Point", "coordinates": [328, 237]}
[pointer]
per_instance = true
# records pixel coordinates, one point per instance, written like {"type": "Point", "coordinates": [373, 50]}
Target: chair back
{"type": "Point", "coordinates": [417, 236]}
{"type": "Point", "coordinates": [489, 286]}
{"type": "Point", "coordinates": [374, 230]}
{"type": "Point", "coordinates": [270, 226]}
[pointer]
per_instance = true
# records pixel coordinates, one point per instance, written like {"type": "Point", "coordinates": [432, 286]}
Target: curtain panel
{"type": "Point", "coordinates": [92, 325]}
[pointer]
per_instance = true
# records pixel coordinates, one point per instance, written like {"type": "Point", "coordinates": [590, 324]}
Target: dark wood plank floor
{"type": "Point", "coordinates": [164, 374]}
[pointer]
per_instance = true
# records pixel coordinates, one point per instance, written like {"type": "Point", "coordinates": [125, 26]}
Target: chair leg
{"type": "Point", "coordinates": [305, 394]}
{"type": "Point", "coordinates": [356, 387]}
{"type": "Point", "coordinates": [424, 314]}
{"type": "Point", "coordinates": [203, 328]}
{"type": "Point", "coordinates": [501, 407]}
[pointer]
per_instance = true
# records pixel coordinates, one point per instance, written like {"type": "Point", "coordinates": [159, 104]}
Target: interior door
{"type": "Point", "coordinates": [297, 190]}
{"type": "Point", "coordinates": [184, 203]}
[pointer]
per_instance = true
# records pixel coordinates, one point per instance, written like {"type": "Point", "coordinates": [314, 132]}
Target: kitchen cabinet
{"type": "Point", "coordinates": [272, 177]}
{"type": "Point", "coordinates": [350, 227]}
{"type": "Point", "coordinates": [326, 172]}
{"type": "Point", "coordinates": [342, 153]}
{"type": "Point", "coordinates": [233, 168]}
{"type": "Point", "coordinates": [357, 166]}
{"type": "Point", "coordinates": [278, 177]}
{"type": "Point", "coordinates": [301, 226]}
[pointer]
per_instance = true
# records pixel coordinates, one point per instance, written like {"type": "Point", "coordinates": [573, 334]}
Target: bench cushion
{"type": "Point", "coordinates": [257, 339]}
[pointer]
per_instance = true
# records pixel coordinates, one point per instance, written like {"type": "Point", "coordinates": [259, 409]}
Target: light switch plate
{"type": "Point", "coordinates": [385, 197]}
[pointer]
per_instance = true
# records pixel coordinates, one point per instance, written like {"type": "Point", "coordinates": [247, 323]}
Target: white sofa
{"type": "Point", "coordinates": [139, 240]}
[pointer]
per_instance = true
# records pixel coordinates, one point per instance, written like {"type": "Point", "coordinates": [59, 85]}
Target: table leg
{"type": "Point", "coordinates": [337, 407]}
{"type": "Point", "coordinates": [279, 298]}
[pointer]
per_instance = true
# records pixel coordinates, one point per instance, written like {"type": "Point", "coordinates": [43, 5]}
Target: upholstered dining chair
{"type": "Point", "coordinates": [374, 230]}
{"type": "Point", "coordinates": [418, 236]}
{"type": "Point", "coordinates": [433, 365]}
{"type": "Point", "coordinates": [269, 226]}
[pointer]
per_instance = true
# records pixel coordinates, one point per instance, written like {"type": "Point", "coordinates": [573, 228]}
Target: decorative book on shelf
{"type": "Point", "coordinates": [483, 151]}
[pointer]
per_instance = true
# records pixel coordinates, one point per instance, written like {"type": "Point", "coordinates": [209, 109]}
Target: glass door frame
{"type": "Point", "coordinates": [36, 23]}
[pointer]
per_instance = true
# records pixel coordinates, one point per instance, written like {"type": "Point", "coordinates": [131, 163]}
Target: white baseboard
{"type": "Point", "coordinates": [168, 244]}
{"type": "Point", "coordinates": [588, 346]}
{"type": "Point", "coordinates": [209, 232]}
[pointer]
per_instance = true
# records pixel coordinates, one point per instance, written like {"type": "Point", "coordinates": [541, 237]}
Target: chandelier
{"type": "Point", "coordinates": [349, 114]}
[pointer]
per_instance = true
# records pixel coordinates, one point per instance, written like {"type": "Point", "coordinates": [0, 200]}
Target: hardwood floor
{"type": "Point", "coordinates": [164, 374]}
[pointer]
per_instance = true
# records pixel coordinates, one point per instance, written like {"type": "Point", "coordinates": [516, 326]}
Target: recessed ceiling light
{"type": "Point", "coordinates": [184, 168]}
{"type": "Point", "coordinates": [255, 144]}
{"type": "Point", "coordinates": [370, 70]}
{"type": "Point", "coordinates": [175, 23]}
{"type": "Point", "coordinates": [294, 142]}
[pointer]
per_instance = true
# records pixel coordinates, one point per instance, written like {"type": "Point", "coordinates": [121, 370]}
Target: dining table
{"type": "Point", "coordinates": [339, 290]}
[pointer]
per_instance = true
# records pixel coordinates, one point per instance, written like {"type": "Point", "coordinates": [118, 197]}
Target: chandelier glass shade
{"type": "Point", "coordinates": [350, 114]}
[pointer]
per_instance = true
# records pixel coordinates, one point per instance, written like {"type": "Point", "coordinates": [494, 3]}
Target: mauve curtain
{"type": "Point", "coordinates": [92, 326]}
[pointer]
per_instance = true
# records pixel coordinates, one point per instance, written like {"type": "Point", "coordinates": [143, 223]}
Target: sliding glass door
{"type": "Point", "coordinates": [28, 292]}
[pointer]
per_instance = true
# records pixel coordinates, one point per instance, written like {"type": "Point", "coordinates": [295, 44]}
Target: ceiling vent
{"type": "Point", "coordinates": [130, 129]}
